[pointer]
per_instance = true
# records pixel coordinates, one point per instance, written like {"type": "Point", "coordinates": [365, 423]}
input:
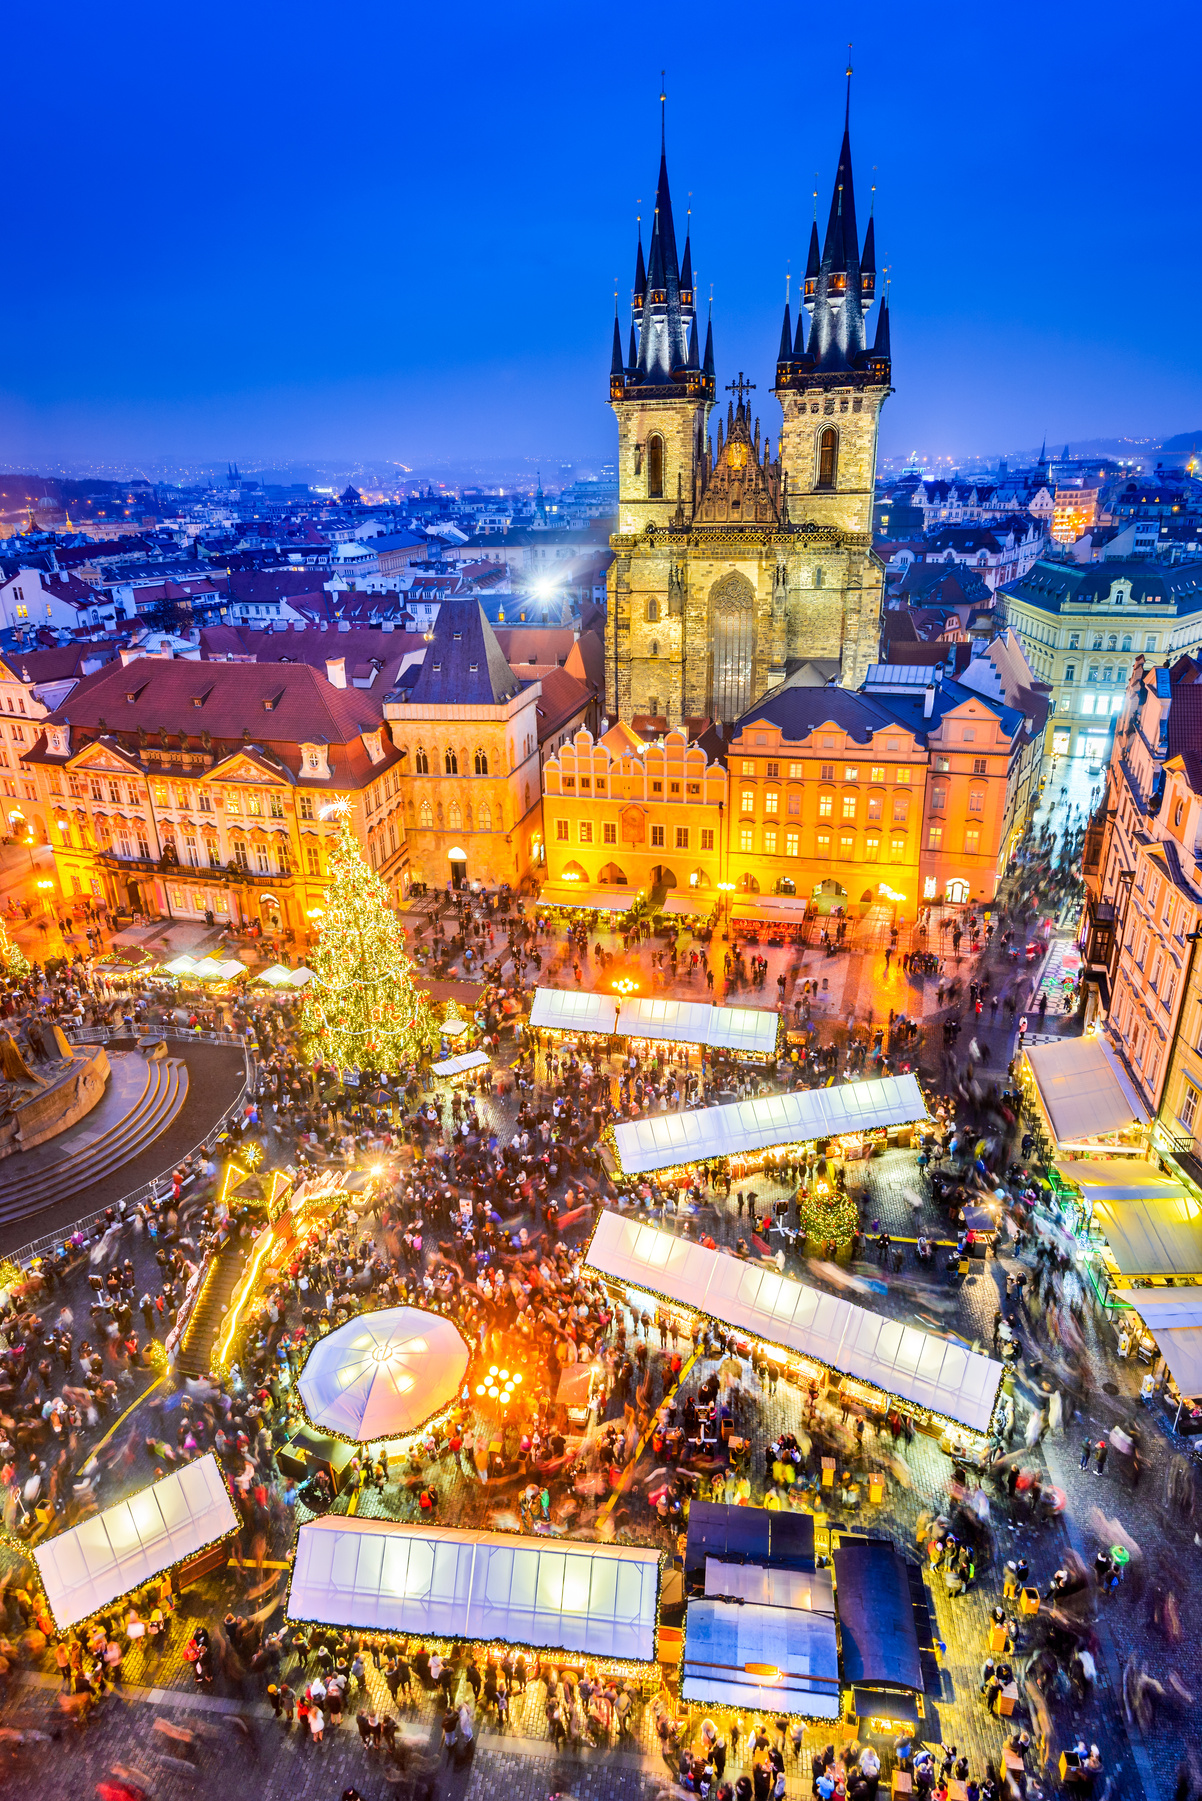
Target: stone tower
{"type": "Point", "coordinates": [733, 567]}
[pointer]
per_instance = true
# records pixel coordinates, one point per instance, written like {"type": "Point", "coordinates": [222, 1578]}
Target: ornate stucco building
{"type": "Point", "coordinates": [732, 563]}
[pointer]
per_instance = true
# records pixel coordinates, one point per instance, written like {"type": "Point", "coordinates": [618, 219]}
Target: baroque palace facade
{"type": "Point", "coordinates": [734, 564]}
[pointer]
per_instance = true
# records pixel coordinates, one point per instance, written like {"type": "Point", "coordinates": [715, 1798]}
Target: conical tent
{"type": "Point", "coordinates": [382, 1375]}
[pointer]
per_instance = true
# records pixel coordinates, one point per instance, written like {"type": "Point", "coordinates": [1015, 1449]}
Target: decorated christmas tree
{"type": "Point", "coordinates": [13, 963]}
{"type": "Point", "coordinates": [362, 1010]}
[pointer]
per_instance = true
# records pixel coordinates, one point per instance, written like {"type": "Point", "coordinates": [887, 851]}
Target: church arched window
{"type": "Point", "coordinates": [425, 814]}
{"type": "Point", "coordinates": [454, 816]}
{"type": "Point", "coordinates": [828, 457]}
{"type": "Point", "coordinates": [451, 763]}
{"type": "Point", "coordinates": [652, 610]}
{"type": "Point", "coordinates": [421, 762]}
{"type": "Point", "coordinates": [481, 762]}
{"type": "Point", "coordinates": [655, 467]}
{"type": "Point", "coordinates": [484, 816]}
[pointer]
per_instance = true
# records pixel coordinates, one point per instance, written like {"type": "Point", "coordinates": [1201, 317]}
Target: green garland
{"type": "Point", "coordinates": [828, 1216]}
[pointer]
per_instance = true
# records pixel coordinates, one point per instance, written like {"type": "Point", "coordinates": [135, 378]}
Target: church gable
{"type": "Point", "coordinates": [741, 486]}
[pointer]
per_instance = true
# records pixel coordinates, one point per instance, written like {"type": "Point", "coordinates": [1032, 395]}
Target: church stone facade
{"type": "Point", "coordinates": [734, 564]}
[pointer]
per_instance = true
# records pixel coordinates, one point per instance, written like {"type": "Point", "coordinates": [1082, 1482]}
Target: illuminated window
{"type": "Point", "coordinates": [792, 844]}
{"type": "Point", "coordinates": [976, 800]}
{"type": "Point", "coordinates": [847, 844]}
{"type": "Point", "coordinates": [824, 844]}
{"type": "Point", "coordinates": [903, 776]}
{"type": "Point", "coordinates": [771, 801]}
{"type": "Point", "coordinates": [972, 841]}
{"type": "Point", "coordinates": [748, 768]}
{"type": "Point", "coordinates": [851, 775]}
{"type": "Point", "coordinates": [747, 800]}
{"type": "Point", "coordinates": [796, 771]}
{"type": "Point", "coordinates": [872, 848]}
{"type": "Point", "coordinates": [878, 772]}
{"type": "Point", "coordinates": [826, 806]}
{"type": "Point", "coordinates": [935, 838]}
{"type": "Point", "coordinates": [655, 467]}
{"type": "Point", "coordinates": [828, 458]}
{"type": "Point", "coordinates": [586, 831]}
{"type": "Point", "coordinates": [876, 806]}
{"type": "Point", "coordinates": [305, 809]}
{"type": "Point", "coordinates": [746, 837]}
{"type": "Point", "coordinates": [769, 840]}
{"type": "Point", "coordinates": [849, 806]}
{"type": "Point", "coordinates": [938, 799]}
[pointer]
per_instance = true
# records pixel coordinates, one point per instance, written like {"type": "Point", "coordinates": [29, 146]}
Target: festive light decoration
{"type": "Point", "coordinates": [824, 1214]}
{"type": "Point", "coordinates": [362, 1009]}
{"type": "Point", "coordinates": [13, 962]}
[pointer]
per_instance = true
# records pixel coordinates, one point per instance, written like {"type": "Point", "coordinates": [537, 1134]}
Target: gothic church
{"type": "Point", "coordinates": [733, 565]}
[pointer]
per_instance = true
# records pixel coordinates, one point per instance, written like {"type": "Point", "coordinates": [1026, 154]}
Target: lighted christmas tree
{"type": "Point", "coordinates": [362, 1010]}
{"type": "Point", "coordinates": [13, 962]}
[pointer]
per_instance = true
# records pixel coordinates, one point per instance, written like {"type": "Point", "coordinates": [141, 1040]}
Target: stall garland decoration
{"type": "Point", "coordinates": [615, 1287]}
{"type": "Point", "coordinates": [363, 1009]}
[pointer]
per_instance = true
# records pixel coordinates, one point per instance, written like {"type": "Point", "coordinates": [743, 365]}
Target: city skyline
{"type": "Point", "coordinates": [427, 274]}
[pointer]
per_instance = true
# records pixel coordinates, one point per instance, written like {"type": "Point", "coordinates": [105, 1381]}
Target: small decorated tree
{"type": "Point", "coordinates": [13, 962]}
{"type": "Point", "coordinates": [362, 1010]}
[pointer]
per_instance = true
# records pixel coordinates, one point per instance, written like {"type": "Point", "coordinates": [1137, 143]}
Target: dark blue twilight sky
{"type": "Point", "coordinates": [299, 231]}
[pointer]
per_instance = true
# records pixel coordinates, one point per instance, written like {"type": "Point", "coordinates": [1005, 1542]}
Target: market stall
{"type": "Point", "coordinates": [588, 1600]}
{"type": "Point", "coordinates": [879, 1636]}
{"type": "Point", "coordinates": [944, 1380]}
{"type": "Point", "coordinates": [668, 1140]}
{"type": "Point", "coordinates": [749, 1032]}
{"type": "Point", "coordinates": [114, 1552]}
{"type": "Point", "coordinates": [452, 1068]}
{"type": "Point", "coordinates": [733, 1536]}
{"type": "Point", "coordinates": [573, 1010]}
{"type": "Point", "coordinates": [1084, 1097]}
{"type": "Point", "coordinates": [768, 1658]}
{"type": "Point", "coordinates": [383, 1375]}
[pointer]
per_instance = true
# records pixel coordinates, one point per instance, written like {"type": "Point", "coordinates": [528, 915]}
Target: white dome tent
{"type": "Point", "coordinates": [383, 1375]}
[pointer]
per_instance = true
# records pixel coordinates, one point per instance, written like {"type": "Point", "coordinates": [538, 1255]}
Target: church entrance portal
{"type": "Point", "coordinates": [732, 620]}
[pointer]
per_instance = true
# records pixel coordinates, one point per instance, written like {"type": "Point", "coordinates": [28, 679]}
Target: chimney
{"type": "Point", "coordinates": [336, 671]}
{"type": "Point", "coordinates": [928, 700]}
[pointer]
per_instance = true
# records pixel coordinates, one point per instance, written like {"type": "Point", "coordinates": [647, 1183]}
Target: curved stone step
{"type": "Point", "coordinates": [135, 1133]}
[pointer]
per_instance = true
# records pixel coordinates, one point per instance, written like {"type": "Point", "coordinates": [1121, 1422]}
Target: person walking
{"type": "Point", "coordinates": [1086, 1453]}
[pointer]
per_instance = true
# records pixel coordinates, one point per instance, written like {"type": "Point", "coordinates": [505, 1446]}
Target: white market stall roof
{"type": "Point", "coordinates": [930, 1372]}
{"type": "Point", "coordinates": [688, 902]}
{"type": "Point", "coordinates": [1165, 1309]}
{"type": "Point", "coordinates": [1084, 1088]}
{"type": "Point", "coordinates": [770, 1659]}
{"type": "Point", "coordinates": [383, 1374]}
{"type": "Point", "coordinates": [378, 1576]}
{"type": "Point", "coordinates": [598, 900]}
{"type": "Point", "coordinates": [88, 1567]}
{"type": "Point", "coordinates": [571, 1010]}
{"type": "Point", "coordinates": [1181, 1348]}
{"type": "Point", "coordinates": [1116, 1175]}
{"type": "Point", "coordinates": [770, 906]}
{"type": "Point", "coordinates": [458, 1066]}
{"type": "Point", "coordinates": [665, 1139]}
{"type": "Point", "coordinates": [749, 1029]}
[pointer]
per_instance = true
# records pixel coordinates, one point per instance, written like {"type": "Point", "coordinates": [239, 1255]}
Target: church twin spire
{"type": "Point", "coordinates": [665, 352]}
{"type": "Point", "coordinates": [664, 356]}
{"type": "Point", "coordinates": [839, 291]}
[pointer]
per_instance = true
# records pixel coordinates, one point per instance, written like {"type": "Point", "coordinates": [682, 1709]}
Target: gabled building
{"type": "Point", "coordinates": [188, 789]}
{"type": "Point", "coordinates": [466, 734]}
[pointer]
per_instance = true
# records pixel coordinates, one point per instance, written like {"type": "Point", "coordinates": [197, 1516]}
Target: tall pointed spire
{"type": "Point", "coordinates": [664, 291]}
{"type": "Point", "coordinates": [880, 344]}
{"type": "Point", "coordinates": [785, 352]}
{"type": "Point", "coordinates": [616, 365]}
{"type": "Point", "coordinates": [707, 363]}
